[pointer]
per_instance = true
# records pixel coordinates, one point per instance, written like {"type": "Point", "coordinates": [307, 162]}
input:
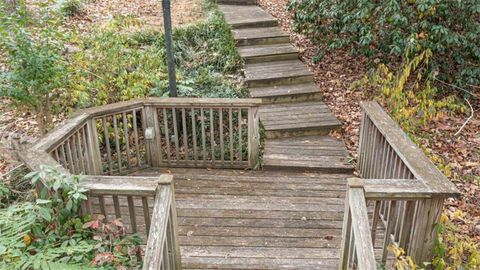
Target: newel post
{"type": "Point", "coordinates": [253, 136]}
{"type": "Point", "coordinates": [95, 158]}
{"type": "Point", "coordinates": [426, 229]}
{"type": "Point", "coordinates": [152, 136]}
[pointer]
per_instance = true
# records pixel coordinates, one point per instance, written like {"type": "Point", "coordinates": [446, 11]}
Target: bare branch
{"type": "Point", "coordinates": [468, 119]}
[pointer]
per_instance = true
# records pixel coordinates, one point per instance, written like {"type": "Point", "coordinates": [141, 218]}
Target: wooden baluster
{"type": "Point", "coordinates": [212, 137]}
{"type": "Point", "coordinates": [167, 135]}
{"type": "Point", "coordinates": [116, 206]}
{"type": "Point", "coordinates": [81, 151]}
{"type": "Point", "coordinates": [175, 132]}
{"type": "Point", "coordinates": [146, 213]}
{"type": "Point", "coordinates": [230, 132]}
{"type": "Point", "coordinates": [63, 156]}
{"type": "Point", "coordinates": [185, 135]}
{"type": "Point", "coordinates": [194, 136]}
{"type": "Point", "coordinates": [220, 128]}
{"type": "Point", "coordinates": [117, 143]}
{"type": "Point", "coordinates": [101, 204]}
{"type": "Point", "coordinates": [253, 136]}
{"type": "Point", "coordinates": [389, 228]}
{"type": "Point", "coordinates": [240, 152]}
{"type": "Point", "coordinates": [76, 162]}
{"type": "Point", "coordinates": [204, 144]}
{"type": "Point", "coordinates": [145, 120]}
{"type": "Point", "coordinates": [131, 211]}
{"type": "Point", "coordinates": [71, 167]}
{"type": "Point", "coordinates": [107, 145]}
{"type": "Point", "coordinates": [127, 137]}
{"type": "Point", "coordinates": [135, 135]}
{"type": "Point", "coordinates": [85, 148]}
{"type": "Point", "coordinates": [55, 153]}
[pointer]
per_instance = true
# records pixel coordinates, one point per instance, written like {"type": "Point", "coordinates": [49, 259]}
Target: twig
{"type": "Point", "coordinates": [468, 119]}
{"type": "Point", "coordinates": [452, 85]}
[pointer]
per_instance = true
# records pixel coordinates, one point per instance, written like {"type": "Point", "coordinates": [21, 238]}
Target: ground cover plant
{"type": "Point", "coordinates": [46, 231]}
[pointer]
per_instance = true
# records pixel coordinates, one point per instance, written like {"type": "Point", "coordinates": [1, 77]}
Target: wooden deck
{"type": "Point", "coordinates": [236, 219]}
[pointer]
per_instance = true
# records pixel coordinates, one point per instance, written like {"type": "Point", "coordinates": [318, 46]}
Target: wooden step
{"type": "Point", "coordinates": [247, 16]}
{"type": "Point", "coordinates": [237, 2]}
{"type": "Point", "coordinates": [259, 36]}
{"type": "Point", "coordinates": [319, 153]}
{"type": "Point", "coordinates": [277, 73]}
{"type": "Point", "coordinates": [297, 119]}
{"type": "Point", "coordinates": [287, 93]}
{"type": "Point", "coordinates": [268, 53]}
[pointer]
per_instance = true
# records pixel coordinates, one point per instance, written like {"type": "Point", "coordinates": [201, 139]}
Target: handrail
{"type": "Point", "coordinates": [187, 132]}
{"type": "Point", "coordinates": [106, 197]}
{"type": "Point", "coordinates": [163, 251]}
{"type": "Point", "coordinates": [418, 164]}
{"type": "Point", "coordinates": [404, 187]}
{"type": "Point", "coordinates": [357, 245]}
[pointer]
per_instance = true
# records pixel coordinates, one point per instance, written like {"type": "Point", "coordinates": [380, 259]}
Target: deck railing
{"type": "Point", "coordinates": [146, 206]}
{"type": "Point", "coordinates": [188, 132]}
{"type": "Point", "coordinates": [108, 141]}
{"type": "Point", "coordinates": [402, 188]}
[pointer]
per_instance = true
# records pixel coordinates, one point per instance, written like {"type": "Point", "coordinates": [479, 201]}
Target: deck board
{"type": "Point", "coordinates": [235, 219]}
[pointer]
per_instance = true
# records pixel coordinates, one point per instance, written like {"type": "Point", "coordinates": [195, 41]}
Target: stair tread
{"type": "Point", "coordinates": [293, 116]}
{"type": "Point", "coordinates": [238, 2]}
{"type": "Point", "coordinates": [258, 32]}
{"type": "Point", "coordinates": [240, 16]}
{"type": "Point", "coordinates": [322, 152]}
{"type": "Point", "coordinates": [266, 50]}
{"type": "Point", "coordinates": [284, 90]}
{"type": "Point", "coordinates": [276, 70]}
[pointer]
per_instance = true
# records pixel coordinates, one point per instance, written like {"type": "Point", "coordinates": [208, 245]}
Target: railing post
{"type": "Point", "coordinates": [346, 234]}
{"type": "Point", "coordinates": [357, 246]}
{"type": "Point", "coordinates": [425, 229]}
{"type": "Point", "coordinates": [154, 146]}
{"type": "Point", "coordinates": [176, 238]}
{"type": "Point", "coordinates": [94, 159]}
{"type": "Point", "coordinates": [253, 136]}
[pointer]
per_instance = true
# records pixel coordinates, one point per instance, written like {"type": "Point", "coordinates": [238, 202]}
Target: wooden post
{"type": "Point", "coordinates": [94, 159]}
{"type": "Point", "coordinates": [154, 146]}
{"type": "Point", "coordinates": [362, 245]}
{"type": "Point", "coordinates": [425, 229]}
{"type": "Point", "coordinates": [175, 236]}
{"type": "Point", "coordinates": [253, 136]}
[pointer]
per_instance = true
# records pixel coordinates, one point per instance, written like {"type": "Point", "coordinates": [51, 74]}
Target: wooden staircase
{"type": "Point", "coordinates": [296, 121]}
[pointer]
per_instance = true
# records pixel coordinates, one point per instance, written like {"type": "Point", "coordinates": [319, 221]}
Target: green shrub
{"type": "Point", "coordinates": [71, 7]}
{"type": "Point", "coordinates": [35, 66]}
{"type": "Point", "coordinates": [450, 29]}
{"type": "Point", "coordinates": [117, 65]}
{"type": "Point", "coordinates": [49, 234]}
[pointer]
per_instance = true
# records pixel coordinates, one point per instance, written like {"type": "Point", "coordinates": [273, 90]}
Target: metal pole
{"type": "Point", "coordinates": [167, 23]}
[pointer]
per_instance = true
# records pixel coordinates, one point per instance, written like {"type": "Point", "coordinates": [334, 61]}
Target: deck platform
{"type": "Point", "coordinates": [237, 219]}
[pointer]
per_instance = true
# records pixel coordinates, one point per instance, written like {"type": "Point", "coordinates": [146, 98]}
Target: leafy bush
{"type": "Point", "coordinates": [117, 64]}
{"type": "Point", "coordinates": [49, 234]}
{"type": "Point", "coordinates": [455, 250]}
{"type": "Point", "coordinates": [449, 29]}
{"type": "Point", "coordinates": [452, 251]}
{"type": "Point", "coordinates": [412, 99]}
{"type": "Point", "coordinates": [35, 66]}
{"type": "Point", "coordinates": [71, 7]}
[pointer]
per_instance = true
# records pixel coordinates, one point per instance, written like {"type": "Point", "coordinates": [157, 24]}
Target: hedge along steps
{"type": "Point", "coordinates": [293, 108]}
